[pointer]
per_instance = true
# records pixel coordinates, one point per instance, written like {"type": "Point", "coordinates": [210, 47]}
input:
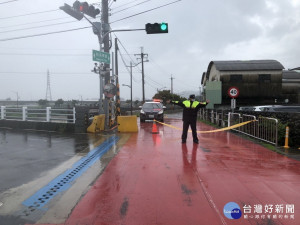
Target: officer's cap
{"type": "Point", "coordinates": [192, 96]}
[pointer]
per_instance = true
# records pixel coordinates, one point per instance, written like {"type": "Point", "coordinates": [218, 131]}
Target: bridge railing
{"type": "Point", "coordinates": [47, 114]}
{"type": "Point", "coordinates": [263, 128]}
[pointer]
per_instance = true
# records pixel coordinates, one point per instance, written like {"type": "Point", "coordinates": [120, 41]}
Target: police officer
{"type": "Point", "coordinates": [189, 116]}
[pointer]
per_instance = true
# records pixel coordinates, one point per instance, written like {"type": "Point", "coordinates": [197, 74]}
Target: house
{"type": "Point", "coordinates": [258, 81]}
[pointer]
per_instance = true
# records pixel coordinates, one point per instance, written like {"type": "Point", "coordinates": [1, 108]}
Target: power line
{"type": "Point", "coordinates": [56, 32]}
{"type": "Point", "coordinates": [131, 7]}
{"type": "Point", "coordinates": [123, 60]}
{"type": "Point", "coordinates": [42, 26]}
{"type": "Point", "coordinates": [8, 2]}
{"type": "Point", "coordinates": [124, 49]}
{"type": "Point", "coordinates": [29, 14]}
{"type": "Point", "coordinates": [125, 4]}
{"type": "Point", "coordinates": [41, 21]}
{"type": "Point", "coordinates": [37, 35]}
{"type": "Point", "coordinates": [146, 11]}
{"type": "Point", "coordinates": [48, 49]}
{"type": "Point", "coordinates": [110, 3]}
{"type": "Point", "coordinates": [39, 54]}
{"type": "Point", "coordinates": [43, 73]}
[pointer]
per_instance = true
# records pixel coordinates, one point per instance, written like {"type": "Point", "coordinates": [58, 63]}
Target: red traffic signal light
{"type": "Point", "coordinates": [85, 8]}
{"type": "Point", "coordinates": [156, 28]}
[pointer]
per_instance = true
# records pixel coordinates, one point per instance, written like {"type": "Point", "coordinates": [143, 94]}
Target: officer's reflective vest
{"type": "Point", "coordinates": [190, 109]}
{"type": "Point", "coordinates": [187, 104]}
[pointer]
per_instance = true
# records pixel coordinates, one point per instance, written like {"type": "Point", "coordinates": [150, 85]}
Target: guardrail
{"type": "Point", "coordinates": [264, 128]}
{"type": "Point", "coordinates": [38, 115]}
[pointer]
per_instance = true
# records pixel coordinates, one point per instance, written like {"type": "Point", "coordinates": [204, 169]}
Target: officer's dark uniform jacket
{"type": "Point", "coordinates": [190, 109]}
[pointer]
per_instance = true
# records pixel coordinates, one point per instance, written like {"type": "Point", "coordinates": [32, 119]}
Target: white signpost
{"type": "Point", "coordinates": [233, 92]}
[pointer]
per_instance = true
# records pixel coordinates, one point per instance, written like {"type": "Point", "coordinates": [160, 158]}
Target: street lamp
{"type": "Point", "coordinates": [130, 86]}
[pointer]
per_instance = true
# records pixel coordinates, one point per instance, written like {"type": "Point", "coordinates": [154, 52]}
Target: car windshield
{"type": "Point", "coordinates": [152, 106]}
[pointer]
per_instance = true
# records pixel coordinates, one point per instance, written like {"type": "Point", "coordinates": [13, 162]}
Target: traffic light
{"type": "Point", "coordinates": [85, 8]}
{"type": "Point", "coordinates": [156, 28]}
{"type": "Point", "coordinates": [69, 10]}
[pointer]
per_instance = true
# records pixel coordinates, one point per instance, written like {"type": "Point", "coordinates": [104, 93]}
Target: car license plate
{"type": "Point", "coordinates": [151, 116]}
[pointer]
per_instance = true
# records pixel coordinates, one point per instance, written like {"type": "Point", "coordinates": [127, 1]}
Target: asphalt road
{"type": "Point", "coordinates": [30, 161]}
{"type": "Point", "coordinates": [25, 155]}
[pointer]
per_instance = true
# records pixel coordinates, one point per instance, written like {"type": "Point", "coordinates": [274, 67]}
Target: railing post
{"type": "Point", "coordinates": [3, 110]}
{"type": "Point", "coordinates": [276, 134]}
{"type": "Point", "coordinates": [286, 142]}
{"type": "Point", "coordinates": [24, 113]}
{"type": "Point", "coordinates": [74, 114]}
{"type": "Point", "coordinates": [48, 114]}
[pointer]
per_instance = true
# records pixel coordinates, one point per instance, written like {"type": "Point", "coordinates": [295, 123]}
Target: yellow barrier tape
{"type": "Point", "coordinates": [211, 131]}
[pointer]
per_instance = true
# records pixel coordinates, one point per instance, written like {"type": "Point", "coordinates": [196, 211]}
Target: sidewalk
{"type": "Point", "coordinates": [155, 179]}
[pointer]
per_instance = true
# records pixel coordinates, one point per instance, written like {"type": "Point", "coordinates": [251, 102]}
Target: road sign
{"type": "Point", "coordinates": [101, 57]}
{"type": "Point", "coordinates": [233, 92]}
{"type": "Point", "coordinates": [233, 103]}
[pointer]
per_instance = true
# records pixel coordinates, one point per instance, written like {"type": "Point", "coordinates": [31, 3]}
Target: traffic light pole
{"type": "Point", "coordinates": [101, 111]}
{"type": "Point", "coordinates": [101, 41]}
{"type": "Point", "coordinates": [77, 11]}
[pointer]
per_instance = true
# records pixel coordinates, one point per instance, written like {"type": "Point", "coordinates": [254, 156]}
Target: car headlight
{"type": "Point", "coordinates": [161, 112]}
{"type": "Point", "coordinates": [142, 111]}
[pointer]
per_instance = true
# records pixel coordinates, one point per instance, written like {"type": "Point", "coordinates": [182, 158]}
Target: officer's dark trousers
{"type": "Point", "coordinates": [186, 125]}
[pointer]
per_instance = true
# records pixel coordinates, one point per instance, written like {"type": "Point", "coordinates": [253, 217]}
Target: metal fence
{"type": "Point", "coordinates": [263, 128]}
{"type": "Point", "coordinates": [38, 115]}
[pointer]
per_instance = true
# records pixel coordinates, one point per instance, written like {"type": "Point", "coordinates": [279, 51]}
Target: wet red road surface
{"type": "Point", "coordinates": [155, 180]}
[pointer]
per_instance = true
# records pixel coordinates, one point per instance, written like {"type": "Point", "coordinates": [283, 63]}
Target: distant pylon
{"type": "Point", "coordinates": [48, 91]}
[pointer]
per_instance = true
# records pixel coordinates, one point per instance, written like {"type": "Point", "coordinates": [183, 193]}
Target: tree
{"type": "Point", "coordinates": [59, 102]}
{"type": "Point", "coordinates": [136, 102]}
{"type": "Point", "coordinates": [42, 102]}
{"type": "Point", "coordinates": [166, 95]}
{"type": "Point", "coordinates": [74, 102]}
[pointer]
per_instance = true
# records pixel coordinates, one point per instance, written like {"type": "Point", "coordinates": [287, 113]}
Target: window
{"type": "Point", "coordinates": [264, 78]}
{"type": "Point", "coordinates": [236, 78]}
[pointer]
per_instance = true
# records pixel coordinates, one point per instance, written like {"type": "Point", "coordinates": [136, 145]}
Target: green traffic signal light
{"type": "Point", "coordinates": [156, 28]}
{"type": "Point", "coordinates": [163, 26]}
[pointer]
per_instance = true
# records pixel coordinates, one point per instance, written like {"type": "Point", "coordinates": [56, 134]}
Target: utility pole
{"type": "Point", "coordinates": [131, 87]}
{"type": "Point", "coordinates": [142, 55]}
{"type": "Point", "coordinates": [131, 65]}
{"type": "Point", "coordinates": [172, 78]}
{"type": "Point", "coordinates": [106, 68]}
{"type": "Point", "coordinates": [118, 102]}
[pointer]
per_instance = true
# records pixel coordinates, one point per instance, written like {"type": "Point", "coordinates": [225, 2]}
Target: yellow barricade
{"type": "Point", "coordinates": [212, 131]}
{"type": "Point", "coordinates": [127, 124]}
{"type": "Point", "coordinates": [97, 124]}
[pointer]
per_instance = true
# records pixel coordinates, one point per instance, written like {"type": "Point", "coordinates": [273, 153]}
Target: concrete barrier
{"type": "Point", "coordinates": [127, 124]}
{"type": "Point", "coordinates": [97, 124]}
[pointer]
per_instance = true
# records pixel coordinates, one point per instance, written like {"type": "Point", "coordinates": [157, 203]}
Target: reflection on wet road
{"type": "Point", "coordinates": [25, 155]}
{"type": "Point", "coordinates": [44, 174]}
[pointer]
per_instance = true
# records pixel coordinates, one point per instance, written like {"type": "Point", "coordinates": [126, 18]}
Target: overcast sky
{"type": "Point", "coordinates": [200, 31]}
